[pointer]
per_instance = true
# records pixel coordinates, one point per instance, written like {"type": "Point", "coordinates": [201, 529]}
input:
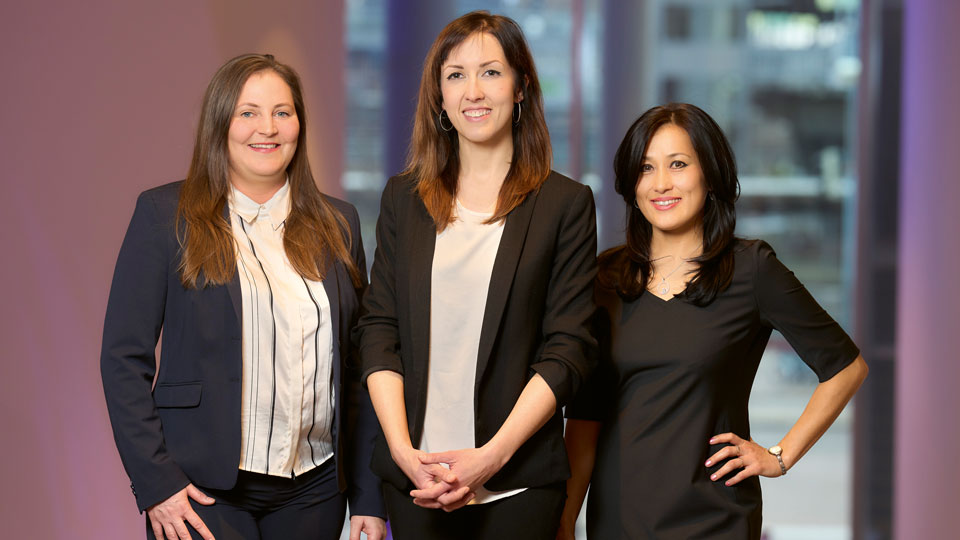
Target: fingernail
{"type": "Point", "coordinates": [711, 441]}
{"type": "Point", "coordinates": [713, 477]}
{"type": "Point", "coordinates": [709, 462]}
{"type": "Point", "coordinates": [727, 483]}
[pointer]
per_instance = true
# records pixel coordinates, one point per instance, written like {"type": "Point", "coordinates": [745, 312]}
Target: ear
{"type": "Point", "coordinates": [519, 94]}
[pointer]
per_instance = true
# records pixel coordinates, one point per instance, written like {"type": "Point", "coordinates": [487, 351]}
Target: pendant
{"type": "Point", "coordinates": [664, 287]}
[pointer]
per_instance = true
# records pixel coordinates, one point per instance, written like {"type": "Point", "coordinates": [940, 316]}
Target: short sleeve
{"type": "Point", "coordinates": [786, 305]}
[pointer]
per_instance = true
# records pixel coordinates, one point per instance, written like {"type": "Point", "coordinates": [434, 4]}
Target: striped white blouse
{"type": "Point", "coordinates": [287, 398]}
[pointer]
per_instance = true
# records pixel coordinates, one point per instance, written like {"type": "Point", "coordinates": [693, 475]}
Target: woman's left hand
{"type": "Point", "coordinates": [753, 459]}
{"type": "Point", "coordinates": [473, 467]}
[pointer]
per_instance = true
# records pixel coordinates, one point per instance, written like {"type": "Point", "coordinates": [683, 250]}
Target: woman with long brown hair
{"type": "Point", "coordinates": [255, 426]}
{"type": "Point", "coordinates": [474, 333]}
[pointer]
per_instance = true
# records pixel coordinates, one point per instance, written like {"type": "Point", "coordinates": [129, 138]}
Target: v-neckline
{"type": "Point", "coordinates": [664, 300]}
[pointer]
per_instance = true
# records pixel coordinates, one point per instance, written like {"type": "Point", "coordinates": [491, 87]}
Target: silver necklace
{"type": "Point", "coordinates": [663, 287]}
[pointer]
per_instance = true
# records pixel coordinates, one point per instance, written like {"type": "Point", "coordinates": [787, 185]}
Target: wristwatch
{"type": "Point", "coordinates": [776, 450]}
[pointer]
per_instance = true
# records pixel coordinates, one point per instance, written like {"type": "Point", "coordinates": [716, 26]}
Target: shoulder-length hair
{"type": "Point", "coordinates": [433, 161]}
{"type": "Point", "coordinates": [314, 230]}
{"type": "Point", "coordinates": [627, 268]}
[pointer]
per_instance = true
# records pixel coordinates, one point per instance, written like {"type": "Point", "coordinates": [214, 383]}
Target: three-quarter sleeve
{"type": "Point", "coordinates": [597, 397]}
{"type": "Point", "coordinates": [569, 350]}
{"type": "Point", "coordinates": [786, 305]}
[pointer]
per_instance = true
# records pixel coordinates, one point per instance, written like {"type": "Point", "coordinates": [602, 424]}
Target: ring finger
{"type": "Point", "coordinates": [728, 467]}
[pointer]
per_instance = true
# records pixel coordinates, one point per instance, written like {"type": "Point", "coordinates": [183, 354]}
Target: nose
{"type": "Point", "coordinates": [661, 180]}
{"type": "Point", "coordinates": [267, 125]}
{"type": "Point", "coordinates": [474, 91]}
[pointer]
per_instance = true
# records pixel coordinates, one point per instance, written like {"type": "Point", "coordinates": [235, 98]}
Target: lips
{"type": "Point", "coordinates": [476, 113]}
{"type": "Point", "coordinates": [665, 203]}
{"type": "Point", "coordinates": [264, 147]}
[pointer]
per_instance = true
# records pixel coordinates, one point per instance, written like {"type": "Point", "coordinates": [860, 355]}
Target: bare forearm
{"type": "Point", "coordinates": [534, 407]}
{"type": "Point", "coordinates": [581, 441]}
{"type": "Point", "coordinates": [386, 394]}
{"type": "Point", "coordinates": [826, 403]}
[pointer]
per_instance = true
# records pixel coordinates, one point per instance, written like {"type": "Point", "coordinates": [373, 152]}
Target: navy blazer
{"type": "Point", "coordinates": [187, 429]}
{"type": "Point", "coordinates": [535, 319]}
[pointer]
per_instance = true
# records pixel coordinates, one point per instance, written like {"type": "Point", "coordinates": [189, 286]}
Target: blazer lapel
{"type": "Point", "coordinates": [501, 278]}
{"type": "Point", "coordinates": [331, 285]}
{"type": "Point", "coordinates": [234, 286]}
{"type": "Point", "coordinates": [423, 241]}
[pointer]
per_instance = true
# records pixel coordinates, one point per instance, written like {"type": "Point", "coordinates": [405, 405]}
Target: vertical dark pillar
{"type": "Point", "coordinates": [412, 25]}
{"type": "Point", "coordinates": [623, 99]}
{"type": "Point", "coordinates": [927, 432]}
{"type": "Point", "coordinates": [876, 273]}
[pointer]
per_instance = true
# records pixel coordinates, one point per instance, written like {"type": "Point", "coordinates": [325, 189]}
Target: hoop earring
{"type": "Point", "coordinates": [516, 119]}
{"type": "Point", "coordinates": [440, 120]}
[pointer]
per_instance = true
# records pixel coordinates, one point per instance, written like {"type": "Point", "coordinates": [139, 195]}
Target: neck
{"type": "Point", "coordinates": [681, 245]}
{"type": "Point", "coordinates": [259, 192]}
{"type": "Point", "coordinates": [483, 168]}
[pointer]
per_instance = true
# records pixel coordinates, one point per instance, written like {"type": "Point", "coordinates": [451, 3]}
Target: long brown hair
{"type": "Point", "coordinates": [314, 230]}
{"type": "Point", "coordinates": [627, 268]}
{"type": "Point", "coordinates": [434, 161]}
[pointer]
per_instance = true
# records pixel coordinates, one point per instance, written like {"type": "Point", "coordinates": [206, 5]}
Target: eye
{"type": "Point", "coordinates": [284, 114]}
{"type": "Point", "coordinates": [491, 73]}
{"type": "Point", "coordinates": [246, 114]}
{"type": "Point", "coordinates": [677, 164]}
{"type": "Point", "coordinates": [646, 167]}
{"type": "Point", "coordinates": [454, 75]}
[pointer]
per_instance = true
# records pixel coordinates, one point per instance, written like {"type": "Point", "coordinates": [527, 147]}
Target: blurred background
{"type": "Point", "coordinates": [842, 114]}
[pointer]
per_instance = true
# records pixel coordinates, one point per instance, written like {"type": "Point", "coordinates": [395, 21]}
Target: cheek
{"type": "Point", "coordinates": [291, 132]}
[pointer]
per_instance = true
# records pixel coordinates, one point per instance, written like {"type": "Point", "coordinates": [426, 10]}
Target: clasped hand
{"type": "Point", "coordinates": [449, 488]}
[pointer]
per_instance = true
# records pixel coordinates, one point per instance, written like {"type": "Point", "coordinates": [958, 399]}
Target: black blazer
{"type": "Point", "coordinates": [188, 428]}
{"type": "Point", "coordinates": [535, 318]}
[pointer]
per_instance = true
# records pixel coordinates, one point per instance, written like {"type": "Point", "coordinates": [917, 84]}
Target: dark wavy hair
{"type": "Point", "coordinates": [627, 268]}
{"type": "Point", "coordinates": [434, 161]}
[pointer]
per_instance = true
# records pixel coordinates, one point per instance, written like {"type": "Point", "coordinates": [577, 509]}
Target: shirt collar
{"type": "Point", "coordinates": [276, 208]}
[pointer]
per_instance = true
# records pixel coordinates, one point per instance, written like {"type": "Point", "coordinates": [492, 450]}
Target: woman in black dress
{"type": "Point", "coordinates": [686, 310]}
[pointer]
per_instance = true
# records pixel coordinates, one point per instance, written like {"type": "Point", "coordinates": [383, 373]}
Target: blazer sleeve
{"type": "Point", "coordinates": [128, 360]}
{"type": "Point", "coordinates": [569, 350]}
{"type": "Point", "coordinates": [377, 332]}
{"type": "Point", "coordinates": [361, 426]}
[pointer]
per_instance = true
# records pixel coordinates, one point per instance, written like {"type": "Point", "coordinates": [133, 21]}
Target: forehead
{"type": "Point", "coordinates": [265, 85]}
{"type": "Point", "coordinates": [477, 47]}
{"type": "Point", "coordinates": [669, 139]}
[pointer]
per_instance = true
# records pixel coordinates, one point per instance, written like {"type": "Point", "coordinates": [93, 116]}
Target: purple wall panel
{"type": "Point", "coordinates": [926, 492]}
{"type": "Point", "coordinates": [100, 100]}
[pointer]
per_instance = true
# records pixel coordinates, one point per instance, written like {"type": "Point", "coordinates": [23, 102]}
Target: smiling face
{"type": "Point", "coordinates": [263, 135]}
{"type": "Point", "coordinates": [479, 90]}
{"type": "Point", "coordinates": [671, 190]}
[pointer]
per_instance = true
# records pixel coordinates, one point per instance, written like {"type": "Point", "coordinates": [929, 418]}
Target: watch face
{"type": "Point", "coordinates": [775, 450]}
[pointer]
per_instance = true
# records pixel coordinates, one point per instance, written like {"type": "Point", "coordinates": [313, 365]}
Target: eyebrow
{"type": "Point", "coordinates": [255, 106]}
{"type": "Point", "coordinates": [675, 154]}
{"type": "Point", "coordinates": [485, 64]}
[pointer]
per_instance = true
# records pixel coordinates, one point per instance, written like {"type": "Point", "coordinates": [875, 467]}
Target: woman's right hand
{"type": "Point", "coordinates": [423, 475]}
{"type": "Point", "coordinates": [167, 517]}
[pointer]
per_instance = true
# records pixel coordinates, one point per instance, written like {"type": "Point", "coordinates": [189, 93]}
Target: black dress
{"type": "Point", "coordinates": [671, 376]}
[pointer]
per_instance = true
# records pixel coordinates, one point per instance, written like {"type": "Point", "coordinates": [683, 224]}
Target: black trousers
{"type": "Point", "coordinates": [262, 507]}
{"type": "Point", "coordinates": [533, 514]}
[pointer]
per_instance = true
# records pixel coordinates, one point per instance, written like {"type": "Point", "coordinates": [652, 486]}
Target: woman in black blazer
{"type": "Point", "coordinates": [254, 278]}
{"type": "Point", "coordinates": [474, 333]}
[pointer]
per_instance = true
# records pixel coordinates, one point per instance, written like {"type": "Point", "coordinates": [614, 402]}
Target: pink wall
{"type": "Point", "coordinates": [927, 439]}
{"type": "Point", "coordinates": [99, 101]}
